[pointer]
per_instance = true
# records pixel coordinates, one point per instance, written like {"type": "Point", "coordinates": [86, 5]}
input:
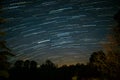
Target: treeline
{"type": "Point", "coordinates": [95, 69]}
{"type": "Point", "coordinates": [25, 70]}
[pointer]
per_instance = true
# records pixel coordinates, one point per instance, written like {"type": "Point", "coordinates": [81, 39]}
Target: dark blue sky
{"type": "Point", "coordinates": [64, 31]}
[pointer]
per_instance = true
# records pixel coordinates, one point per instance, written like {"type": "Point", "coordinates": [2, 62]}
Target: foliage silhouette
{"type": "Point", "coordinates": [4, 52]}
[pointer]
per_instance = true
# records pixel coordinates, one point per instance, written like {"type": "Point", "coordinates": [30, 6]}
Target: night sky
{"type": "Point", "coordinates": [64, 31]}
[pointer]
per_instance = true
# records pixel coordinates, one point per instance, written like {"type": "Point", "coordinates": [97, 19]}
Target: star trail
{"type": "Point", "coordinates": [64, 31]}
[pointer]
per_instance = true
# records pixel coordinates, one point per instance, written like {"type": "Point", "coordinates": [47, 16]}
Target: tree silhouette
{"type": "Point", "coordinates": [2, 20]}
{"type": "Point", "coordinates": [114, 56]}
{"type": "Point", "coordinates": [47, 70]}
{"type": "Point", "coordinates": [113, 50]}
{"type": "Point", "coordinates": [98, 64]}
{"type": "Point", "coordinates": [4, 52]}
{"type": "Point", "coordinates": [24, 70]}
{"type": "Point", "coordinates": [33, 65]}
{"type": "Point", "coordinates": [27, 64]}
{"type": "Point", "coordinates": [16, 72]}
{"type": "Point", "coordinates": [19, 64]}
